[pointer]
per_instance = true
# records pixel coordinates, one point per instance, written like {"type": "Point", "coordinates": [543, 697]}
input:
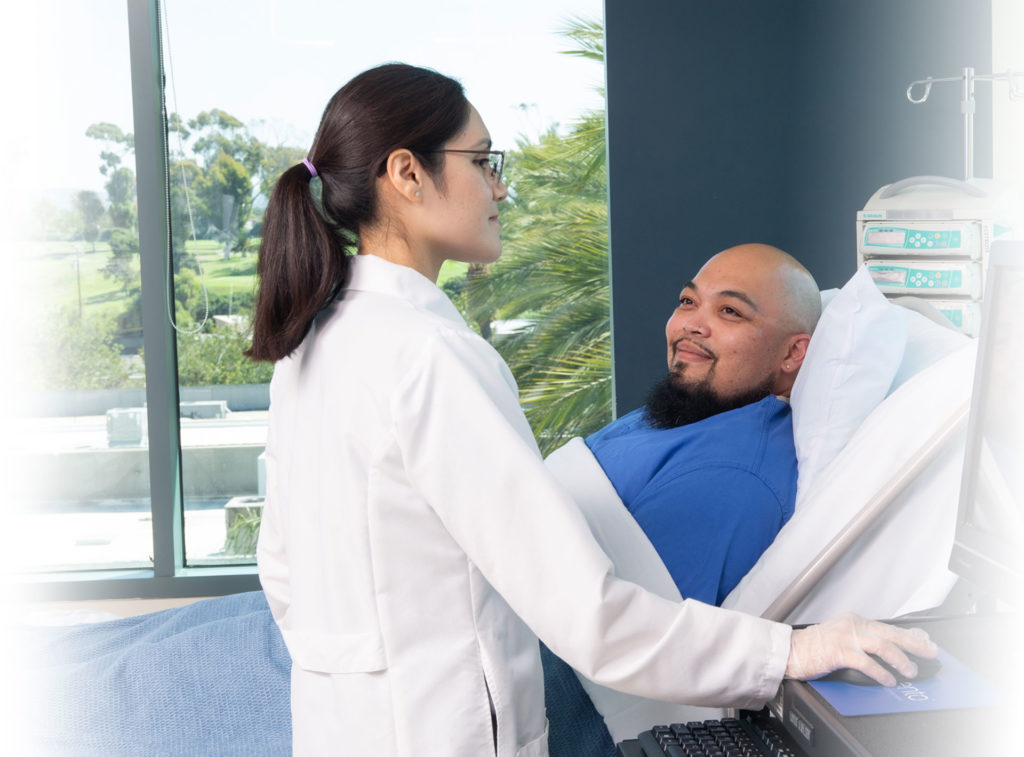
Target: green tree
{"type": "Point", "coordinates": [274, 161]}
{"type": "Point", "coordinates": [90, 210]}
{"type": "Point", "coordinates": [217, 169]}
{"type": "Point", "coordinates": [554, 273]}
{"type": "Point", "coordinates": [120, 184]}
{"type": "Point", "coordinates": [234, 167]}
{"type": "Point", "coordinates": [225, 190]}
{"type": "Point", "coordinates": [117, 144]}
{"type": "Point", "coordinates": [188, 297]}
{"type": "Point", "coordinates": [218, 132]}
{"type": "Point", "coordinates": [123, 264]}
{"type": "Point", "coordinates": [74, 353]}
{"type": "Point", "coordinates": [216, 357]}
{"type": "Point", "coordinates": [121, 194]}
{"type": "Point", "coordinates": [184, 175]}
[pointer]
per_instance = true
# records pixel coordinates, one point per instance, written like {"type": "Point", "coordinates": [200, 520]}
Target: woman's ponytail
{"type": "Point", "coordinates": [302, 265]}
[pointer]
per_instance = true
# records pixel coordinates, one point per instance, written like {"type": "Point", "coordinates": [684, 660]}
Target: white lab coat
{"type": "Point", "coordinates": [412, 538]}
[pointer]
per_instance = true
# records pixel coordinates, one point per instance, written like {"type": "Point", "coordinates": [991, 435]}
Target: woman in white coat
{"type": "Point", "coordinates": [413, 542]}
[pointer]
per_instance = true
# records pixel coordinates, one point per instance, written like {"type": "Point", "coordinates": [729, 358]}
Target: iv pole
{"type": "Point", "coordinates": [967, 103]}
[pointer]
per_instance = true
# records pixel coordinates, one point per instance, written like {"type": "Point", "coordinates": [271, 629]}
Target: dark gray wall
{"type": "Point", "coordinates": [748, 120]}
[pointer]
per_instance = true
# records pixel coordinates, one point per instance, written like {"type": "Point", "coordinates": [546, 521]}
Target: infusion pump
{"type": "Point", "coordinates": [929, 236]}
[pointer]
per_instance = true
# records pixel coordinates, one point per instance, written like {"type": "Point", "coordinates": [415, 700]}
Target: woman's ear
{"type": "Point", "coordinates": [405, 174]}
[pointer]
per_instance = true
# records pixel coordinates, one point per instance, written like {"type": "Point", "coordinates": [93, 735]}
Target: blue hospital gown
{"type": "Point", "coordinates": [711, 495]}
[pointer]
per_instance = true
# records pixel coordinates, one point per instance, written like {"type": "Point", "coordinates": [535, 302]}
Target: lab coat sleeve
{"type": "Point", "coordinates": [469, 451]}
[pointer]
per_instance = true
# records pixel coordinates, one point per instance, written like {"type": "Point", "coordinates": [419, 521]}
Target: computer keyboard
{"type": "Point", "coordinates": [753, 736]}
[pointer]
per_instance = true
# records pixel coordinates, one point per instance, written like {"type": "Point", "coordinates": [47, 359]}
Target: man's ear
{"type": "Point", "coordinates": [796, 351]}
{"type": "Point", "coordinates": [405, 174]}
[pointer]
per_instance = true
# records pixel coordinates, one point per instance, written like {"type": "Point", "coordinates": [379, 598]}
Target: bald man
{"type": "Point", "coordinates": [707, 467]}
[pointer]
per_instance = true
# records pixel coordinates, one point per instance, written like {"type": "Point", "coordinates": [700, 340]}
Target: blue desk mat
{"type": "Point", "coordinates": [954, 687]}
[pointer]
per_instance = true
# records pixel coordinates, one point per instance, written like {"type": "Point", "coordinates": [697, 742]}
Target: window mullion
{"type": "Point", "coordinates": [157, 287]}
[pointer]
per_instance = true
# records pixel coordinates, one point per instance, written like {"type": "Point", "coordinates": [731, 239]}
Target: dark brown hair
{"type": "Point", "coordinates": [302, 261]}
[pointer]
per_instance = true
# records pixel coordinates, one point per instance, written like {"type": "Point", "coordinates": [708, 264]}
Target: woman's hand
{"type": "Point", "coordinates": [847, 642]}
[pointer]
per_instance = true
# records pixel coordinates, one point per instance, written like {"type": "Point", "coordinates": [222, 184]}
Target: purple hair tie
{"type": "Point", "coordinates": [312, 170]}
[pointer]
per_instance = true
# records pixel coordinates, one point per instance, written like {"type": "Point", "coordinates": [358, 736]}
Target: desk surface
{"type": "Point", "coordinates": [991, 645]}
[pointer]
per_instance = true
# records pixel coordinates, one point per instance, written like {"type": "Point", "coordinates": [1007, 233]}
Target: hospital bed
{"type": "Point", "coordinates": [877, 411]}
{"type": "Point", "coordinates": [878, 418]}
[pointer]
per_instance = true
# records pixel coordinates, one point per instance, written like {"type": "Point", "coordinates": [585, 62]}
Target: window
{"type": "Point", "coordinates": [231, 137]}
{"type": "Point", "coordinates": [168, 464]}
{"type": "Point", "coordinates": [83, 437]}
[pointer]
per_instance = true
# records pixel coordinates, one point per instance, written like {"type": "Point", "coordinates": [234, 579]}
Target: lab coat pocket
{"type": "Point", "coordinates": [536, 748]}
{"type": "Point", "coordinates": [325, 652]}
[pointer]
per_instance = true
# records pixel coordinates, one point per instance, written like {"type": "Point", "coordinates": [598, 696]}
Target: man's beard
{"type": "Point", "coordinates": [670, 405]}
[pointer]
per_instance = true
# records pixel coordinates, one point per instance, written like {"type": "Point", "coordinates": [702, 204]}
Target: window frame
{"type": "Point", "coordinates": [169, 576]}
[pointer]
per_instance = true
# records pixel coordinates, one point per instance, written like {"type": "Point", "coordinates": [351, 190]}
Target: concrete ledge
{"type": "Point", "coordinates": [123, 473]}
{"type": "Point", "coordinates": [126, 425]}
{"type": "Point", "coordinates": [204, 409]}
{"type": "Point", "coordinates": [48, 404]}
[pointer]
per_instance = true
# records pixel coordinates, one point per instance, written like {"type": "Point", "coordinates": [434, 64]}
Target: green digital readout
{"type": "Point", "coordinates": [916, 278]}
{"type": "Point", "coordinates": [912, 239]}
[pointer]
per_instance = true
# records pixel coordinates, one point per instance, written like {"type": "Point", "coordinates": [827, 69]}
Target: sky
{"type": "Point", "coordinates": [274, 64]}
{"type": "Point", "coordinates": [64, 64]}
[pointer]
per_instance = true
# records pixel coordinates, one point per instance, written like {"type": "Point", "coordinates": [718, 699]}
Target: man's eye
{"type": "Point", "coordinates": [485, 164]}
{"type": "Point", "coordinates": [731, 311]}
{"type": "Point", "coordinates": [685, 301]}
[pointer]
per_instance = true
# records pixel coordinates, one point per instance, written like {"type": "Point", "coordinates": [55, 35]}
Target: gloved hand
{"type": "Point", "coordinates": [845, 642]}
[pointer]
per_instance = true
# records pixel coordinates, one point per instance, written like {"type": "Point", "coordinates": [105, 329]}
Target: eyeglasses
{"type": "Point", "coordinates": [495, 160]}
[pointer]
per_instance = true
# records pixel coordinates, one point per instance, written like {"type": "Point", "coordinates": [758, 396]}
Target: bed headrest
{"type": "Point", "coordinates": [863, 348]}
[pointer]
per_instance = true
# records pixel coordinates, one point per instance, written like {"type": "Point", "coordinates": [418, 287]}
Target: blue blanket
{"type": "Point", "coordinates": [209, 679]}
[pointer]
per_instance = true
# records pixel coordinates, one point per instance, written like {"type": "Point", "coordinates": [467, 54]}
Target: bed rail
{"type": "Point", "coordinates": [793, 594]}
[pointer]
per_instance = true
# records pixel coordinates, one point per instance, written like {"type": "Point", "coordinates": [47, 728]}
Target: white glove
{"type": "Point", "coordinates": [846, 641]}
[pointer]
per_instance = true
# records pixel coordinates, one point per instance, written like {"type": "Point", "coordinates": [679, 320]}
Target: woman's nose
{"type": "Point", "coordinates": [500, 190]}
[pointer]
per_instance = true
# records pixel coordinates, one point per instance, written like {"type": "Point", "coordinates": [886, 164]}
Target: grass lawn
{"type": "Point", "coordinates": [235, 277]}
{"type": "Point", "coordinates": [53, 272]}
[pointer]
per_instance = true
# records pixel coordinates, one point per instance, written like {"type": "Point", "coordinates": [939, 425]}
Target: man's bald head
{"type": "Point", "coordinates": [743, 323]}
{"type": "Point", "coordinates": [798, 296]}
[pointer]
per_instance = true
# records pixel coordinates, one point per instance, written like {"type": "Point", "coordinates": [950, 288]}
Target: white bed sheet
{"type": "Point", "coordinates": [900, 565]}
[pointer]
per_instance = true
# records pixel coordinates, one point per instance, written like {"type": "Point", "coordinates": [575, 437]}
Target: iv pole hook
{"type": "Point", "coordinates": [924, 96]}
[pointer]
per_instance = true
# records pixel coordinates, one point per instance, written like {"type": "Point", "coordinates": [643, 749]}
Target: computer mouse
{"type": "Point", "coordinates": [926, 668]}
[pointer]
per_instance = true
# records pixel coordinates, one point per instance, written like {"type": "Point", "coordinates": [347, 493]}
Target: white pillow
{"type": "Point", "coordinates": [929, 338]}
{"type": "Point", "coordinates": [851, 361]}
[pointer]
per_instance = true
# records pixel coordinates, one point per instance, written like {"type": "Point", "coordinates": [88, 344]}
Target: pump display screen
{"type": "Point", "coordinates": [888, 276]}
{"type": "Point", "coordinates": [915, 240]}
{"type": "Point", "coordinates": [886, 237]}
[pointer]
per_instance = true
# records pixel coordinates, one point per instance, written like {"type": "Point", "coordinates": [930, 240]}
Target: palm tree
{"type": "Point", "coordinates": [554, 273]}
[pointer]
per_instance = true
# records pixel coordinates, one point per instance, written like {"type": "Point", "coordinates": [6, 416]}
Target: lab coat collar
{"type": "Point", "coordinates": [371, 273]}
